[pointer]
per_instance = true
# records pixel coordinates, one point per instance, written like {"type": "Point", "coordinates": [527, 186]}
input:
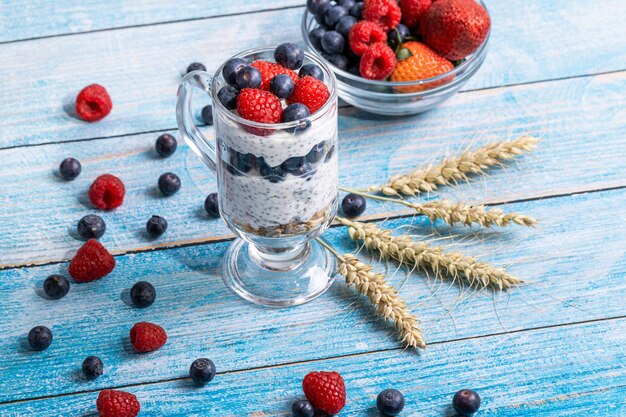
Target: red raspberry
{"type": "Point", "coordinates": [365, 33]}
{"type": "Point", "coordinates": [107, 192]}
{"type": "Point", "coordinates": [325, 390]}
{"type": "Point", "coordinates": [311, 92]}
{"type": "Point", "coordinates": [413, 10]}
{"type": "Point", "coordinates": [93, 103]}
{"type": "Point", "coordinates": [113, 403]}
{"type": "Point", "coordinates": [91, 262]}
{"type": "Point", "coordinates": [259, 106]}
{"type": "Point", "coordinates": [147, 337]}
{"type": "Point", "coordinates": [385, 12]}
{"type": "Point", "coordinates": [377, 62]}
{"type": "Point", "coordinates": [269, 70]}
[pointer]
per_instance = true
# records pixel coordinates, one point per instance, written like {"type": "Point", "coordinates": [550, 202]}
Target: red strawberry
{"type": "Point", "coordinates": [147, 337]}
{"type": "Point", "coordinates": [269, 70]}
{"type": "Point", "coordinates": [455, 28]}
{"type": "Point", "coordinates": [413, 10]}
{"type": "Point", "coordinates": [311, 92]}
{"type": "Point", "coordinates": [325, 390]}
{"type": "Point", "coordinates": [423, 63]}
{"type": "Point", "coordinates": [384, 12]}
{"type": "Point", "coordinates": [377, 62]}
{"type": "Point", "coordinates": [365, 33]}
{"type": "Point", "coordinates": [113, 403]}
{"type": "Point", "coordinates": [107, 192]}
{"type": "Point", "coordinates": [259, 106]}
{"type": "Point", "coordinates": [93, 103]}
{"type": "Point", "coordinates": [91, 262]}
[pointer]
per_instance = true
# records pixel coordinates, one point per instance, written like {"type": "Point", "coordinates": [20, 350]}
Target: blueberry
{"type": "Point", "coordinates": [302, 408]}
{"type": "Point", "coordinates": [156, 226]}
{"type": "Point", "coordinates": [202, 371]}
{"type": "Point", "coordinates": [289, 55]}
{"type": "Point", "coordinates": [56, 286]}
{"type": "Point", "coordinates": [321, 20]}
{"type": "Point", "coordinates": [340, 61]}
{"type": "Point", "coordinates": [142, 294]}
{"type": "Point", "coordinates": [390, 402]}
{"type": "Point", "coordinates": [297, 111]}
{"type": "Point", "coordinates": [353, 205]}
{"type": "Point", "coordinates": [318, 7]}
{"type": "Point", "coordinates": [312, 70]}
{"type": "Point", "coordinates": [92, 367]}
{"type": "Point", "coordinates": [231, 68]}
{"type": "Point", "coordinates": [282, 86]}
{"type": "Point", "coordinates": [401, 31]}
{"type": "Point", "coordinates": [466, 402]}
{"type": "Point", "coordinates": [272, 174]}
{"type": "Point", "coordinates": [211, 205]}
{"type": "Point", "coordinates": [332, 16]}
{"type": "Point", "coordinates": [228, 96]}
{"type": "Point", "coordinates": [293, 164]}
{"type": "Point", "coordinates": [304, 171]}
{"type": "Point", "coordinates": [357, 11]}
{"type": "Point", "coordinates": [333, 42]}
{"type": "Point", "coordinates": [344, 25]}
{"type": "Point", "coordinates": [316, 153]}
{"type": "Point", "coordinates": [330, 153]}
{"type": "Point", "coordinates": [346, 4]}
{"type": "Point", "coordinates": [195, 66]}
{"type": "Point", "coordinates": [354, 70]}
{"type": "Point", "coordinates": [249, 77]}
{"type": "Point", "coordinates": [315, 36]}
{"type": "Point", "coordinates": [169, 183]}
{"type": "Point", "coordinates": [207, 115]}
{"type": "Point", "coordinates": [91, 227]}
{"type": "Point", "coordinates": [165, 145]}
{"type": "Point", "coordinates": [70, 168]}
{"type": "Point", "coordinates": [242, 162]}
{"type": "Point", "coordinates": [234, 165]}
{"type": "Point", "coordinates": [39, 337]}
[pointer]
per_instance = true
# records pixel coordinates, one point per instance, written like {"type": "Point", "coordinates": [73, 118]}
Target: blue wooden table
{"type": "Point", "coordinates": [554, 347]}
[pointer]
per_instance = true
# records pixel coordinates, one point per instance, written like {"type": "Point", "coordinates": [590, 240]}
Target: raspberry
{"type": "Point", "coordinates": [147, 337]}
{"type": "Point", "coordinates": [113, 403]}
{"type": "Point", "coordinates": [365, 33]}
{"type": "Point", "coordinates": [259, 106]}
{"type": "Point", "coordinates": [93, 103]}
{"type": "Point", "coordinates": [91, 262]}
{"type": "Point", "coordinates": [385, 12]}
{"type": "Point", "coordinates": [325, 390]}
{"type": "Point", "coordinates": [311, 92]}
{"type": "Point", "coordinates": [107, 192]}
{"type": "Point", "coordinates": [377, 62]}
{"type": "Point", "coordinates": [413, 10]}
{"type": "Point", "coordinates": [269, 70]}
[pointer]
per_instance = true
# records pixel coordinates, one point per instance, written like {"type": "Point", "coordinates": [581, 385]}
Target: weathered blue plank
{"type": "Point", "coordinates": [555, 372]}
{"type": "Point", "coordinates": [579, 121]}
{"type": "Point", "coordinates": [532, 41]}
{"type": "Point", "coordinates": [570, 280]}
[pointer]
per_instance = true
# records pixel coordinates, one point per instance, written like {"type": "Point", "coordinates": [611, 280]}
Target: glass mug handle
{"type": "Point", "coordinates": [202, 146]}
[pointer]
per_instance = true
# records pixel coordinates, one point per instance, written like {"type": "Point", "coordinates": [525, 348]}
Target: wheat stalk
{"type": "Point", "coordinates": [383, 296]}
{"type": "Point", "coordinates": [457, 168]}
{"type": "Point", "coordinates": [421, 255]}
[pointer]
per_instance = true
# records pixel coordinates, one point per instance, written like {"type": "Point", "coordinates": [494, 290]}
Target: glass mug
{"type": "Point", "coordinates": [277, 190]}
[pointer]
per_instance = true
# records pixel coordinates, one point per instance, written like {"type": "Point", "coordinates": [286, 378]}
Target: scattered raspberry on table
{"type": "Point", "coordinates": [147, 337]}
{"type": "Point", "coordinates": [107, 192]}
{"type": "Point", "coordinates": [325, 390]}
{"type": "Point", "coordinates": [93, 103]}
{"type": "Point", "coordinates": [113, 403]}
{"type": "Point", "coordinates": [91, 262]}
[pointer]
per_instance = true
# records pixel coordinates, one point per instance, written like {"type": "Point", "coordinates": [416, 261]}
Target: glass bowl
{"type": "Point", "coordinates": [398, 98]}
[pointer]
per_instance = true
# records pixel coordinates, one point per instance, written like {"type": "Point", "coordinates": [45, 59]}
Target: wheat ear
{"type": "Point", "coordinates": [421, 255]}
{"type": "Point", "coordinates": [457, 168]}
{"type": "Point", "coordinates": [383, 296]}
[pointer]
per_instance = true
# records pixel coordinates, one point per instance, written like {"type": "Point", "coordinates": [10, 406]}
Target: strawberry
{"type": "Point", "coordinates": [91, 262]}
{"type": "Point", "coordinates": [363, 34]}
{"type": "Point", "coordinates": [377, 62]}
{"type": "Point", "coordinates": [259, 106]}
{"type": "Point", "coordinates": [455, 28]}
{"type": "Point", "coordinates": [311, 92]}
{"type": "Point", "coordinates": [387, 13]}
{"type": "Point", "coordinates": [269, 70]}
{"type": "Point", "coordinates": [413, 10]}
{"type": "Point", "coordinates": [423, 63]}
{"type": "Point", "coordinates": [147, 337]}
{"type": "Point", "coordinates": [113, 403]}
{"type": "Point", "coordinates": [325, 390]}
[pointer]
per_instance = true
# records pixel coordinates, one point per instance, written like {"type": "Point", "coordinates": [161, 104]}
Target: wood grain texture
{"type": "Point", "coordinates": [42, 77]}
{"type": "Point", "coordinates": [570, 280]}
{"type": "Point", "coordinates": [556, 372]}
{"type": "Point", "coordinates": [581, 123]}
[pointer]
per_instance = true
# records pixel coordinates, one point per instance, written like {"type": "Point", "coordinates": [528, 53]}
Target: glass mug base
{"type": "Point", "coordinates": [272, 280]}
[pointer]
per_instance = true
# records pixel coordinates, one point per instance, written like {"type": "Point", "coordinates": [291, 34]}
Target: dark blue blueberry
{"type": "Point", "coordinates": [347, 4]}
{"type": "Point", "coordinates": [91, 227]}
{"type": "Point", "coordinates": [304, 171]}
{"type": "Point", "coordinates": [231, 68]}
{"type": "Point", "coordinates": [289, 55]}
{"type": "Point", "coordinates": [293, 164]}
{"type": "Point", "coordinates": [302, 408]}
{"type": "Point", "coordinates": [401, 31]}
{"type": "Point", "coordinates": [92, 367]}
{"type": "Point", "coordinates": [318, 7]}
{"type": "Point", "coordinates": [70, 168]}
{"type": "Point", "coordinates": [340, 61]}
{"type": "Point", "coordinates": [156, 226]}
{"type": "Point", "coordinates": [390, 402]}
{"type": "Point", "coordinates": [282, 86]}
{"type": "Point", "coordinates": [354, 70]}
{"type": "Point", "coordinates": [312, 70]}
{"type": "Point", "coordinates": [333, 42]}
{"type": "Point", "coordinates": [297, 111]}
{"type": "Point", "coordinates": [272, 174]}
{"type": "Point", "coordinates": [466, 402]}
{"type": "Point", "coordinates": [321, 20]}
{"type": "Point", "coordinates": [195, 66]}
{"type": "Point", "coordinates": [165, 145]}
{"type": "Point", "coordinates": [316, 37]}
{"type": "Point", "coordinates": [316, 153]}
{"type": "Point", "coordinates": [56, 286]}
{"type": "Point", "coordinates": [202, 371]}
{"type": "Point", "coordinates": [330, 153]}
{"type": "Point", "coordinates": [228, 96]}
{"type": "Point", "coordinates": [207, 115]}
{"type": "Point", "coordinates": [249, 77]}
{"type": "Point", "coordinates": [39, 337]}
{"type": "Point", "coordinates": [211, 205]}
{"type": "Point", "coordinates": [353, 205]}
{"type": "Point", "coordinates": [247, 161]}
{"type": "Point", "coordinates": [142, 294]}
{"type": "Point", "coordinates": [357, 11]}
{"type": "Point", "coordinates": [169, 183]}
{"type": "Point", "coordinates": [334, 13]}
{"type": "Point", "coordinates": [344, 25]}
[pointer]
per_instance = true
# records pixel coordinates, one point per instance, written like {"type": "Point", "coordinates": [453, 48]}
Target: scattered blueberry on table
{"type": "Point", "coordinates": [169, 183]}
{"type": "Point", "coordinates": [56, 286]}
{"type": "Point", "coordinates": [91, 226]}
{"type": "Point", "coordinates": [211, 205]}
{"type": "Point", "coordinates": [195, 66]}
{"type": "Point", "coordinates": [156, 226]}
{"type": "Point", "coordinates": [39, 337]}
{"type": "Point", "coordinates": [207, 115]}
{"type": "Point", "coordinates": [353, 205]}
{"type": "Point", "coordinates": [69, 169]}
{"type": "Point", "coordinates": [165, 145]}
{"type": "Point", "coordinates": [302, 408]}
{"type": "Point", "coordinates": [142, 294]}
{"type": "Point", "coordinates": [202, 371]}
{"type": "Point", "coordinates": [92, 367]}
{"type": "Point", "coordinates": [390, 402]}
{"type": "Point", "coordinates": [466, 402]}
